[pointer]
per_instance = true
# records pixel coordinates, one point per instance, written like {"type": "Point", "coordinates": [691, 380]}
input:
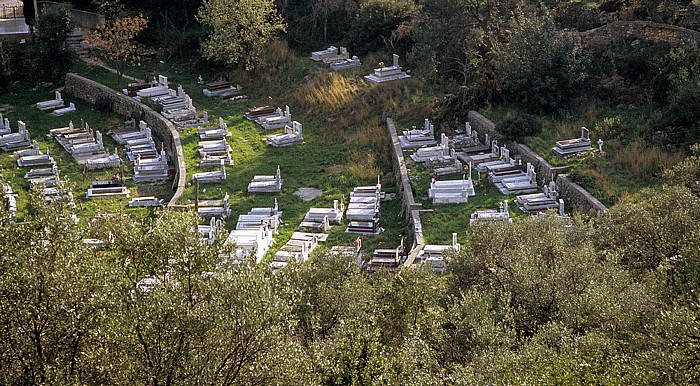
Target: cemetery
{"type": "Point", "coordinates": [479, 210]}
{"type": "Point", "coordinates": [440, 166]}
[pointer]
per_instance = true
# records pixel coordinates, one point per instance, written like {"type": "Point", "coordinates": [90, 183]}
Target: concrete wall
{"type": "Point", "coordinates": [643, 30]}
{"type": "Point", "coordinates": [92, 92]}
{"type": "Point", "coordinates": [578, 197]}
{"type": "Point", "coordinates": [410, 209]}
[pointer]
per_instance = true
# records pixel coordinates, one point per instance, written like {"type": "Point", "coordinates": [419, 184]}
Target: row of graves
{"type": "Point", "coordinates": [336, 58]}
{"type": "Point", "coordinates": [43, 173]}
{"type": "Point", "coordinates": [311, 231]}
{"type": "Point", "coordinates": [57, 105]}
{"type": "Point", "coordinates": [215, 152]}
{"type": "Point", "coordinates": [150, 165]}
{"type": "Point", "coordinates": [175, 105]}
{"type": "Point", "coordinates": [254, 233]}
{"type": "Point", "coordinates": [271, 118]}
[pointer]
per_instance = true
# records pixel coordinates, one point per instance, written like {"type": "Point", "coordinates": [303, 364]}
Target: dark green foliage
{"type": "Point", "coordinates": [516, 125]}
{"type": "Point", "coordinates": [376, 23]}
{"type": "Point", "coordinates": [540, 66]}
{"type": "Point", "coordinates": [104, 104]}
{"type": "Point", "coordinates": [53, 27]}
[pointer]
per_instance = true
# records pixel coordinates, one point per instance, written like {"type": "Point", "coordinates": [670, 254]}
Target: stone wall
{"type": "Point", "coordinates": [578, 197]}
{"type": "Point", "coordinates": [545, 171]}
{"type": "Point", "coordinates": [409, 207]}
{"type": "Point", "coordinates": [483, 126]}
{"type": "Point", "coordinates": [78, 18]}
{"type": "Point", "coordinates": [643, 30]}
{"type": "Point", "coordinates": [96, 93]}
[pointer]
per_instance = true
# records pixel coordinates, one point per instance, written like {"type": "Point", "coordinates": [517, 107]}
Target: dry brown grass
{"type": "Point", "coordinates": [371, 134]}
{"type": "Point", "coordinates": [646, 162]}
{"type": "Point", "coordinates": [362, 166]}
{"type": "Point", "coordinates": [327, 93]}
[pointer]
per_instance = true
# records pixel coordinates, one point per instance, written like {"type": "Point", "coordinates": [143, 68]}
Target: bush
{"type": "Point", "coordinates": [540, 65]}
{"type": "Point", "coordinates": [103, 103]}
{"type": "Point", "coordinates": [518, 125]}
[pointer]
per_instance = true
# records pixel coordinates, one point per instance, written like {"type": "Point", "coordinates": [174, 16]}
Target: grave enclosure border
{"type": "Point", "coordinates": [92, 92]}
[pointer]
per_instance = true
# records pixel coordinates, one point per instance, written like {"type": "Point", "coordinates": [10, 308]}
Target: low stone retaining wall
{"type": "Point", "coordinates": [545, 171]}
{"type": "Point", "coordinates": [103, 96]}
{"type": "Point", "coordinates": [483, 126]}
{"type": "Point", "coordinates": [643, 30]}
{"type": "Point", "coordinates": [409, 207]}
{"type": "Point", "coordinates": [578, 197]}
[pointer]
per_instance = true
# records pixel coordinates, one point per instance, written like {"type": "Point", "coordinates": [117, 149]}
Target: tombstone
{"type": "Point", "coordinates": [468, 128]}
{"type": "Point", "coordinates": [600, 145]}
{"type": "Point", "coordinates": [180, 91]}
{"type": "Point", "coordinates": [205, 117]}
{"type": "Point", "coordinates": [395, 62]}
{"type": "Point", "coordinates": [163, 80]}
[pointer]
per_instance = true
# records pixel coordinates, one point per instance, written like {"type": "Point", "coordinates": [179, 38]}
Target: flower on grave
{"type": "Point", "coordinates": [381, 64]}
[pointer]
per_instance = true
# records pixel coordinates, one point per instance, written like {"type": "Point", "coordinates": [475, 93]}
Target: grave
{"type": "Point", "coordinates": [146, 201]}
{"type": "Point", "coordinates": [493, 155]}
{"type": "Point", "coordinates": [134, 87]}
{"type": "Point", "coordinates": [217, 132]}
{"type": "Point", "coordinates": [346, 63]}
{"type": "Point", "coordinates": [262, 111]}
{"type": "Point", "coordinates": [48, 181]}
{"type": "Point", "coordinates": [504, 162]}
{"type": "Point", "coordinates": [339, 55]}
{"type": "Point", "coordinates": [251, 243]}
{"type": "Point", "coordinates": [297, 248]}
{"type": "Point", "coordinates": [14, 141]}
{"type": "Point", "coordinates": [363, 210]}
{"type": "Point", "coordinates": [58, 193]}
{"type": "Point", "coordinates": [34, 150]}
{"type": "Point", "coordinates": [387, 74]}
{"type": "Point", "coordinates": [315, 225]}
{"type": "Point", "coordinates": [490, 216]}
{"type": "Point", "coordinates": [455, 168]}
{"type": "Point", "coordinates": [414, 138]}
{"type": "Point", "coordinates": [217, 208]}
{"type": "Point", "coordinates": [452, 191]}
{"type": "Point", "coordinates": [209, 232]}
{"type": "Point", "coordinates": [538, 202]}
{"type": "Point", "coordinates": [220, 88]}
{"type": "Point", "coordinates": [44, 172]}
{"type": "Point", "coordinates": [433, 256]}
{"type": "Point", "coordinates": [466, 139]}
{"type": "Point", "coordinates": [55, 103]}
{"type": "Point", "coordinates": [292, 136]}
{"type": "Point", "coordinates": [577, 145]}
{"type": "Point", "coordinates": [334, 215]}
{"type": "Point", "coordinates": [214, 161]}
{"type": "Point", "coordinates": [215, 147]}
{"type": "Point", "coordinates": [214, 176]}
{"type": "Point", "coordinates": [107, 189]}
{"type": "Point", "coordinates": [520, 184]}
{"type": "Point", "coordinates": [107, 162]}
{"type": "Point", "coordinates": [318, 56]}
{"type": "Point", "coordinates": [122, 136]}
{"type": "Point", "coordinates": [64, 110]}
{"type": "Point", "coordinates": [386, 259]}
{"type": "Point", "coordinates": [151, 169]}
{"type": "Point", "coordinates": [266, 184]}
{"type": "Point", "coordinates": [424, 154]}
{"type": "Point", "coordinates": [277, 121]}
{"type": "Point", "coordinates": [35, 160]}
{"type": "Point", "coordinates": [4, 125]}
{"type": "Point", "coordinates": [159, 89]}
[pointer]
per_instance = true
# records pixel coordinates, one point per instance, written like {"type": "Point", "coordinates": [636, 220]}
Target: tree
{"type": "Point", "coordinates": [239, 30]}
{"type": "Point", "coordinates": [115, 42]}
{"type": "Point", "coordinates": [52, 29]}
{"type": "Point", "coordinates": [540, 66]}
{"type": "Point", "coordinates": [686, 172]}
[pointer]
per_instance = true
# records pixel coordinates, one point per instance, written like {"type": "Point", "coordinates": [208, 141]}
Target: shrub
{"type": "Point", "coordinates": [105, 104]}
{"type": "Point", "coordinates": [518, 125]}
